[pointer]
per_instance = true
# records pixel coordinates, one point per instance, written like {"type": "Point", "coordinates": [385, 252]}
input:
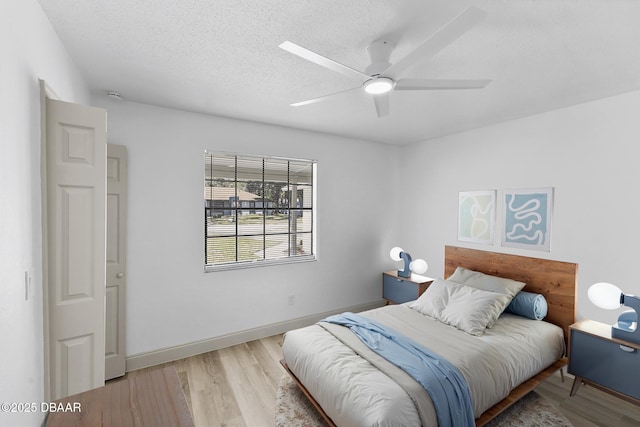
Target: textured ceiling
{"type": "Point", "coordinates": [221, 57]}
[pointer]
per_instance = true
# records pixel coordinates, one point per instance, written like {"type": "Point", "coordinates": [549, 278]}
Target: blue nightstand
{"type": "Point", "coordinates": [607, 363]}
{"type": "Point", "coordinates": [397, 290]}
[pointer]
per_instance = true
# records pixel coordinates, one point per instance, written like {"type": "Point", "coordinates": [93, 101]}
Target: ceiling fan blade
{"type": "Point", "coordinates": [323, 61]}
{"type": "Point", "coordinates": [439, 84]}
{"type": "Point", "coordinates": [382, 104]}
{"type": "Point", "coordinates": [438, 40]}
{"type": "Point", "coordinates": [321, 98]}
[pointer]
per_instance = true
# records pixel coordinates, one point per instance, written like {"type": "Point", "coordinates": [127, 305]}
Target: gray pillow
{"type": "Point", "coordinates": [487, 282]}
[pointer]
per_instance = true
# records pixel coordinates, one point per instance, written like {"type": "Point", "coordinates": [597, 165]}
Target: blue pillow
{"type": "Point", "coordinates": [528, 304]}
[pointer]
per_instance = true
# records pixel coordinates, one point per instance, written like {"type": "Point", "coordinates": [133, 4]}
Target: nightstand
{"type": "Point", "coordinates": [397, 290]}
{"type": "Point", "coordinates": [607, 363]}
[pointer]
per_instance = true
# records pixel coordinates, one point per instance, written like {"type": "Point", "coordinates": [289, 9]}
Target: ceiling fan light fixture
{"type": "Point", "coordinates": [379, 85]}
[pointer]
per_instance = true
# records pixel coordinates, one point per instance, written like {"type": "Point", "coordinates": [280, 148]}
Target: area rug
{"type": "Point", "coordinates": [293, 409]}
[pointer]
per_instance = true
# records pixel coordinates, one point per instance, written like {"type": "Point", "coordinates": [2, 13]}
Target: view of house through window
{"type": "Point", "coordinates": [257, 210]}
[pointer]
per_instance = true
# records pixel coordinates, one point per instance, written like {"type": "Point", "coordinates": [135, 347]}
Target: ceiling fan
{"type": "Point", "coordinates": [381, 77]}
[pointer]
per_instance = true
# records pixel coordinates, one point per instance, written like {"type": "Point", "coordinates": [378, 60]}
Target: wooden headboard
{"type": "Point", "coordinates": [556, 280]}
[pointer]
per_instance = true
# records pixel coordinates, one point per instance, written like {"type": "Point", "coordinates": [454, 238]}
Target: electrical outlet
{"type": "Point", "coordinates": [291, 300]}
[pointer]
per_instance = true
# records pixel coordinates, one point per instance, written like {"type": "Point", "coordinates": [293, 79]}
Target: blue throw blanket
{"type": "Point", "coordinates": [447, 387]}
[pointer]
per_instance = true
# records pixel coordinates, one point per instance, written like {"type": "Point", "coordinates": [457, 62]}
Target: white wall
{"type": "Point", "coordinates": [170, 301]}
{"type": "Point", "coordinates": [30, 50]}
{"type": "Point", "coordinates": [588, 153]}
{"type": "Point", "coordinates": [584, 152]}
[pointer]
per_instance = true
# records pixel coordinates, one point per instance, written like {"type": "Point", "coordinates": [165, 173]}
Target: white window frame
{"type": "Point", "coordinates": [211, 206]}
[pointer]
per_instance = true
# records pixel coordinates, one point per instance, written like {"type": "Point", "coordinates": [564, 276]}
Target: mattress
{"type": "Point", "coordinates": [355, 388]}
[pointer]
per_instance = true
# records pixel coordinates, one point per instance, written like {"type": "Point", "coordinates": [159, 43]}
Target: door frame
{"type": "Point", "coordinates": [45, 92]}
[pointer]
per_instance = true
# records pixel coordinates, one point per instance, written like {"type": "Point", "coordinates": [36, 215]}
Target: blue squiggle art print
{"type": "Point", "coordinates": [527, 219]}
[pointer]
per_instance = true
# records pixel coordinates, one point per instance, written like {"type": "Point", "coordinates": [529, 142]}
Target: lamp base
{"type": "Point", "coordinates": [403, 273]}
{"type": "Point", "coordinates": [627, 327]}
{"type": "Point", "coordinates": [406, 258]}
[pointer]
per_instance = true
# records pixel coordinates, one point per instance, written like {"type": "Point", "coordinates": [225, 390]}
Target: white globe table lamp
{"type": "Point", "coordinates": [609, 297]}
{"type": "Point", "coordinates": [418, 266]}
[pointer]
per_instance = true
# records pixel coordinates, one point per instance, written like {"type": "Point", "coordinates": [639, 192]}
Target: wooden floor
{"type": "Point", "coordinates": [589, 407]}
{"type": "Point", "coordinates": [232, 387]}
{"type": "Point", "coordinates": [236, 386]}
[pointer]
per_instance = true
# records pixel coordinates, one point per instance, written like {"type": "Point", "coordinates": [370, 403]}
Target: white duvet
{"type": "Point", "coordinates": [355, 393]}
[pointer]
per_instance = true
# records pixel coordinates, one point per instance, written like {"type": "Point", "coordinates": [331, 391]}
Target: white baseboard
{"type": "Point", "coordinates": [152, 358]}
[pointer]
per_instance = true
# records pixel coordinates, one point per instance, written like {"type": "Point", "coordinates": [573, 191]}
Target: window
{"type": "Point", "coordinates": [257, 210]}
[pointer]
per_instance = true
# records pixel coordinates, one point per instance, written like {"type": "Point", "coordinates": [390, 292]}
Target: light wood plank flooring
{"type": "Point", "coordinates": [590, 407]}
{"type": "Point", "coordinates": [236, 386]}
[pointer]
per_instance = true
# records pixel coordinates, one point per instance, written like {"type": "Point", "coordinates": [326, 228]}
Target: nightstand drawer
{"type": "Point", "coordinates": [604, 362]}
{"type": "Point", "coordinates": [398, 290]}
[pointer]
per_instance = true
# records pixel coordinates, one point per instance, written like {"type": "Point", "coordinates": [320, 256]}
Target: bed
{"type": "Point", "coordinates": [351, 385]}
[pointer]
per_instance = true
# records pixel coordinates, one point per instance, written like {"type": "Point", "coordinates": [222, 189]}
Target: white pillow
{"type": "Point", "coordinates": [487, 282]}
{"type": "Point", "coordinates": [473, 310]}
{"type": "Point", "coordinates": [463, 307]}
{"type": "Point", "coordinates": [434, 299]}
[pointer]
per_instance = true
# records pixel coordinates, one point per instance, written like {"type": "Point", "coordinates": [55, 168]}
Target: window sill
{"type": "Point", "coordinates": [259, 263]}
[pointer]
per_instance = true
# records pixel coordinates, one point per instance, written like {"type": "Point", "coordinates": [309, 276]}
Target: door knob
{"type": "Point", "coordinates": [120, 275]}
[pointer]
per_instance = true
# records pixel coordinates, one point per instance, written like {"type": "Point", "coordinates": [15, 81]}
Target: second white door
{"type": "Point", "coordinates": [115, 362]}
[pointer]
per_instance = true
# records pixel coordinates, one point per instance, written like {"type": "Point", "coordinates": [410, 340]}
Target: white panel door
{"type": "Point", "coordinates": [75, 174]}
{"type": "Point", "coordinates": [115, 362]}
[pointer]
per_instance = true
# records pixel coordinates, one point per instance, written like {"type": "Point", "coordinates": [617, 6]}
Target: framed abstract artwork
{"type": "Point", "coordinates": [527, 219]}
{"type": "Point", "coordinates": [476, 216]}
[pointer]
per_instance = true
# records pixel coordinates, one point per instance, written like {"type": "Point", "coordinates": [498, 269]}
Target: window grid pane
{"type": "Point", "coordinates": [257, 208]}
